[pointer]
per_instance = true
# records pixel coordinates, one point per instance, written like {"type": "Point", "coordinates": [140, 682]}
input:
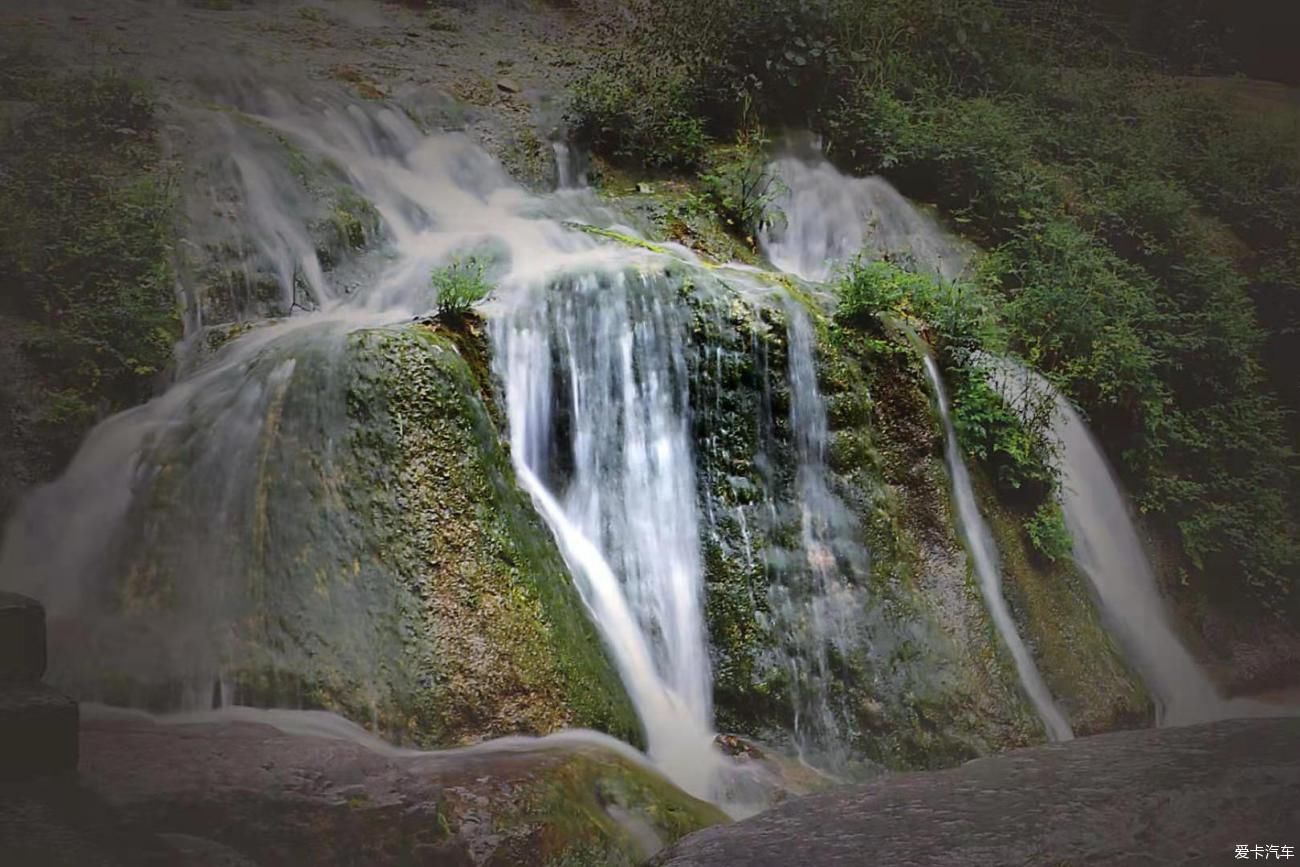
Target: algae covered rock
{"type": "Point", "coordinates": [322, 517]}
{"type": "Point", "coordinates": [840, 626]}
{"type": "Point", "coordinates": [500, 624]}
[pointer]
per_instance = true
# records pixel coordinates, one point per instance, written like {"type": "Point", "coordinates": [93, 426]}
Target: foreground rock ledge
{"type": "Point", "coordinates": [1160, 796]}
{"type": "Point", "coordinates": [237, 793]}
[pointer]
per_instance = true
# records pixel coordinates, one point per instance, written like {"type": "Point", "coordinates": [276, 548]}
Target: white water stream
{"type": "Point", "coordinates": [1109, 552]}
{"type": "Point", "coordinates": [984, 558]}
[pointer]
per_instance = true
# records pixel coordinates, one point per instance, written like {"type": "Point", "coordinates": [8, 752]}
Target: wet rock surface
{"type": "Point", "coordinates": [1176, 796]}
{"type": "Point", "coordinates": [245, 793]}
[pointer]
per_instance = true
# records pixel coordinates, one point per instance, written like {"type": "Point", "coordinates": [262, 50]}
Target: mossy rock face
{"type": "Point", "coordinates": [337, 518]}
{"type": "Point", "coordinates": [599, 809]}
{"type": "Point", "coordinates": [915, 677]}
{"type": "Point", "coordinates": [502, 626]}
{"type": "Point", "coordinates": [1058, 618]}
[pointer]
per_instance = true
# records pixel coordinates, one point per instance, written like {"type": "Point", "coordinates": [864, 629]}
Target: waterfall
{"type": "Point", "coordinates": [826, 218]}
{"type": "Point", "coordinates": [1109, 552]}
{"type": "Point", "coordinates": [570, 171]}
{"type": "Point", "coordinates": [984, 557]}
{"type": "Point", "coordinates": [820, 615]}
{"type": "Point", "coordinates": [169, 502]}
{"type": "Point", "coordinates": [598, 399]}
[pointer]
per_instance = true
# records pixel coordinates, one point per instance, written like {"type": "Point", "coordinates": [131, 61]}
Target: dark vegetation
{"type": "Point", "coordinates": [86, 287]}
{"type": "Point", "coordinates": [1143, 229]}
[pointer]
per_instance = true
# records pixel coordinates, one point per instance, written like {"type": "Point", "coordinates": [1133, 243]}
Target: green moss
{"type": "Point", "coordinates": [576, 807]}
{"type": "Point", "coordinates": [615, 235]}
{"type": "Point", "coordinates": [502, 625]}
{"type": "Point", "coordinates": [1058, 619]}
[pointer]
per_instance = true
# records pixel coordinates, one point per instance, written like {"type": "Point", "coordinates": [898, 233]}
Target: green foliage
{"type": "Point", "coordinates": [85, 246]}
{"type": "Point", "coordinates": [741, 190]}
{"type": "Point", "coordinates": [958, 317]}
{"type": "Point", "coordinates": [1048, 533]}
{"type": "Point", "coordinates": [1014, 447]}
{"type": "Point", "coordinates": [685, 67]}
{"type": "Point", "coordinates": [1147, 239]}
{"type": "Point", "coordinates": [642, 115]}
{"type": "Point", "coordinates": [459, 286]}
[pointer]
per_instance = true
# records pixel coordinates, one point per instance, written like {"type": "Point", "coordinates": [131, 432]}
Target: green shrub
{"type": "Point", "coordinates": [741, 190]}
{"type": "Point", "coordinates": [958, 317]}
{"type": "Point", "coordinates": [644, 116]}
{"type": "Point", "coordinates": [1013, 446]}
{"type": "Point", "coordinates": [458, 287]}
{"type": "Point", "coordinates": [1048, 533]}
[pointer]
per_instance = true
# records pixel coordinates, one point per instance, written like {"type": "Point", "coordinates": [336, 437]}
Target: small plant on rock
{"type": "Point", "coordinates": [459, 286]}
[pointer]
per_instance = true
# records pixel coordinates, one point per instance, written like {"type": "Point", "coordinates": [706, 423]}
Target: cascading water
{"type": "Point", "coordinates": [570, 171]}
{"type": "Point", "coordinates": [827, 218]}
{"type": "Point", "coordinates": [1109, 552]}
{"type": "Point", "coordinates": [163, 520]}
{"type": "Point", "coordinates": [984, 558]}
{"type": "Point", "coordinates": [821, 616]}
{"type": "Point", "coordinates": [598, 396]}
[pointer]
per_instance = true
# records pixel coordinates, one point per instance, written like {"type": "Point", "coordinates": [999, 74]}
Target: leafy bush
{"type": "Point", "coordinates": [642, 115]}
{"type": "Point", "coordinates": [458, 287]}
{"type": "Point", "coordinates": [741, 189]}
{"type": "Point", "coordinates": [1048, 533]}
{"type": "Point", "coordinates": [958, 316]}
{"type": "Point", "coordinates": [1014, 447]}
{"type": "Point", "coordinates": [958, 319]}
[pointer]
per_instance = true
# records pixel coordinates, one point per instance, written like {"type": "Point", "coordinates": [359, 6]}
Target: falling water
{"type": "Point", "coordinates": [161, 518]}
{"type": "Point", "coordinates": [569, 167]}
{"type": "Point", "coordinates": [598, 395]}
{"type": "Point", "coordinates": [984, 556]}
{"type": "Point", "coordinates": [820, 616]}
{"type": "Point", "coordinates": [1110, 553]}
{"type": "Point", "coordinates": [827, 218]}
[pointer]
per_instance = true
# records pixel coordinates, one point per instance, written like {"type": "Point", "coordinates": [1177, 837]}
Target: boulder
{"type": "Point", "coordinates": [1161, 796]}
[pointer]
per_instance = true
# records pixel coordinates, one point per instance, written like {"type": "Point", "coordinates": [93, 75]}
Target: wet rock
{"type": "Point", "coordinates": [508, 85]}
{"type": "Point", "coordinates": [424, 593]}
{"type": "Point", "coordinates": [1174, 795]}
{"type": "Point", "coordinates": [242, 793]}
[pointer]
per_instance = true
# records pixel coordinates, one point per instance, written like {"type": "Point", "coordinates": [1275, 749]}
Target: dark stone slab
{"type": "Point", "coordinates": [1158, 796]}
{"type": "Point", "coordinates": [38, 732]}
{"type": "Point", "coordinates": [22, 639]}
{"type": "Point", "coordinates": [234, 793]}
